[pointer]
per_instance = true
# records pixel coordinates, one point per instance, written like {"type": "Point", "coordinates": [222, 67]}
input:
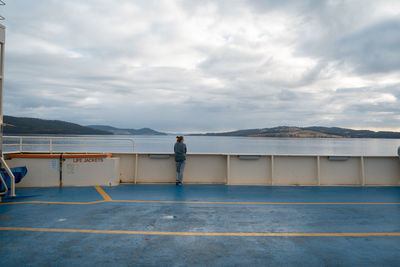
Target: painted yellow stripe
{"type": "Point", "coordinates": [256, 203]}
{"type": "Point", "coordinates": [127, 232]}
{"type": "Point", "coordinates": [53, 202]}
{"type": "Point", "coordinates": [107, 198]}
{"type": "Point", "coordinates": [103, 194]}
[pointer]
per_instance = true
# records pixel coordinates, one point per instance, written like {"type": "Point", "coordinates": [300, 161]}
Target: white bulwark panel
{"type": "Point", "coordinates": [159, 169]}
{"type": "Point", "coordinates": [41, 172]}
{"type": "Point", "coordinates": [91, 171]}
{"type": "Point", "coordinates": [231, 169]}
{"type": "Point", "coordinates": [75, 171]}
{"type": "Point", "coordinates": [382, 171]}
{"type": "Point", "coordinates": [341, 171]}
{"type": "Point", "coordinates": [295, 170]}
{"type": "Point", "coordinates": [205, 169]}
{"type": "Point", "coordinates": [250, 170]}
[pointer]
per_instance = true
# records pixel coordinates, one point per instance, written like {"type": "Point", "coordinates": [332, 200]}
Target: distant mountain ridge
{"type": "Point", "coordinates": [308, 132]}
{"type": "Point", "coordinates": [118, 131]}
{"type": "Point", "coordinates": [23, 125]}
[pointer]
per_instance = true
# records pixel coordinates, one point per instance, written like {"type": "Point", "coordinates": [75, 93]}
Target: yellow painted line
{"type": "Point", "coordinates": [256, 203]}
{"type": "Point", "coordinates": [53, 202]}
{"type": "Point", "coordinates": [103, 194]}
{"type": "Point", "coordinates": [107, 198]}
{"type": "Point", "coordinates": [127, 232]}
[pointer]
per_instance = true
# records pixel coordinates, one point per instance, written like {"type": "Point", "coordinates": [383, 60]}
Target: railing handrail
{"type": "Point", "coordinates": [51, 144]}
{"type": "Point", "coordinates": [66, 137]}
{"type": "Point", "coordinates": [12, 177]}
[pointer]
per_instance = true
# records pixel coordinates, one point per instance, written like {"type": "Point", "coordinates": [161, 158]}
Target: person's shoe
{"type": "Point", "coordinates": [177, 183]}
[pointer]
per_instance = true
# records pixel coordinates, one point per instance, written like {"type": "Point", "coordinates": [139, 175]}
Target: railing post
{"type": "Point", "coordinates": [136, 168]}
{"type": "Point", "coordinates": [85, 145]}
{"type": "Point", "coordinates": [362, 171]}
{"type": "Point", "coordinates": [318, 170]}
{"type": "Point", "coordinates": [51, 145]}
{"type": "Point", "coordinates": [20, 144]}
{"type": "Point", "coordinates": [272, 170]}
{"type": "Point", "coordinates": [12, 177]}
{"type": "Point", "coordinates": [228, 168]}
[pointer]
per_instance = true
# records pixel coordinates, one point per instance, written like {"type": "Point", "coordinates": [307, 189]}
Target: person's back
{"type": "Point", "coordinates": [180, 151]}
{"type": "Point", "coordinates": [180, 158]}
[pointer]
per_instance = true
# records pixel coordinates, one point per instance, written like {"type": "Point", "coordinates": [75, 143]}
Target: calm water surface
{"type": "Point", "coordinates": [227, 144]}
{"type": "Point", "coordinates": [276, 145]}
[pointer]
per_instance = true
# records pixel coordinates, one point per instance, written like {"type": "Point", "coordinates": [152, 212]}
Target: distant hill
{"type": "Point", "coordinates": [308, 132]}
{"type": "Point", "coordinates": [143, 131]}
{"type": "Point", "coordinates": [18, 125]}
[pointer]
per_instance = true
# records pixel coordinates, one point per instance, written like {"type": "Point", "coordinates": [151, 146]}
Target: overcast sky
{"type": "Point", "coordinates": [187, 66]}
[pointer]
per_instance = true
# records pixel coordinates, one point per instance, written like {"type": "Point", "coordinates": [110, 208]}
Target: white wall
{"type": "Point", "coordinates": [382, 171]}
{"type": "Point", "coordinates": [342, 172]}
{"type": "Point", "coordinates": [75, 172]}
{"type": "Point", "coordinates": [91, 171]}
{"type": "Point", "coordinates": [295, 170]}
{"type": "Point", "coordinates": [215, 168]}
{"type": "Point", "coordinates": [41, 172]}
{"type": "Point", "coordinates": [250, 171]}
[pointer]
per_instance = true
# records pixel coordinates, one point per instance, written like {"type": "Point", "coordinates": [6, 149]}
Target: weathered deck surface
{"type": "Point", "coordinates": [201, 225]}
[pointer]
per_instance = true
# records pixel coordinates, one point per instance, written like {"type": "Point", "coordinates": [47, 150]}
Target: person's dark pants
{"type": "Point", "coordinates": [180, 166]}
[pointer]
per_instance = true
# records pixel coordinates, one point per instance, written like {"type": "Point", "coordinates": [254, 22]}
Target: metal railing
{"type": "Point", "coordinates": [12, 177]}
{"type": "Point", "coordinates": [50, 144]}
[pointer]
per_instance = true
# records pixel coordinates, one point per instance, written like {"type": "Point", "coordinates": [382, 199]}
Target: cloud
{"type": "Point", "coordinates": [204, 65]}
{"type": "Point", "coordinates": [375, 49]}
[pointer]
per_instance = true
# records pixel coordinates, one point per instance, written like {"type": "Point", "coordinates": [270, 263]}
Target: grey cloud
{"type": "Point", "coordinates": [352, 34]}
{"type": "Point", "coordinates": [375, 49]}
{"type": "Point", "coordinates": [80, 62]}
{"type": "Point", "coordinates": [292, 5]}
{"type": "Point", "coordinates": [348, 103]}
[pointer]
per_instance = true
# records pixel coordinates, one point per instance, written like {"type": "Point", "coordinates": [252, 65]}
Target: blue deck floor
{"type": "Point", "coordinates": [201, 225]}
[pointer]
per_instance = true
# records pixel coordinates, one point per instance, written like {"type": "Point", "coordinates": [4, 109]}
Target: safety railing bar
{"type": "Point", "coordinates": [5, 186]}
{"type": "Point", "coordinates": [31, 145]}
{"type": "Point", "coordinates": [109, 146]}
{"type": "Point", "coordinates": [92, 145]}
{"type": "Point", "coordinates": [4, 164]}
{"type": "Point", "coordinates": [66, 144]}
{"type": "Point", "coordinates": [100, 145]}
{"type": "Point", "coordinates": [82, 141]}
{"type": "Point", "coordinates": [67, 137]}
{"type": "Point", "coordinates": [24, 145]}
{"type": "Point", "coordinates": [10, 144]}
{"type": "Point", "coordinates": [44, 144]}
{"type": "Point", "coordinates": [61, 144]}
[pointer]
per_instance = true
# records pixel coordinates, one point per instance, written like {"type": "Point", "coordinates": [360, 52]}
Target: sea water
{"type": "Point", "coordinates": [225, 144]}
{"type": "Point", "coordinates": [272, 145]}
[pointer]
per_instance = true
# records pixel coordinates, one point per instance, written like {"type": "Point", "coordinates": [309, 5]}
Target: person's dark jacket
{"type": "Point", "coordinates": [180, 151]}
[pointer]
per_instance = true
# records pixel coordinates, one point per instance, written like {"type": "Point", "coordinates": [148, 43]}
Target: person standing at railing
{"type": "Point", "coordinates": [180, 158]}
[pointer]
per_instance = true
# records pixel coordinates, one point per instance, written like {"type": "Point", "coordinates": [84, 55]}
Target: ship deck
{"type": "Point", "coordinates": [201, 225]}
